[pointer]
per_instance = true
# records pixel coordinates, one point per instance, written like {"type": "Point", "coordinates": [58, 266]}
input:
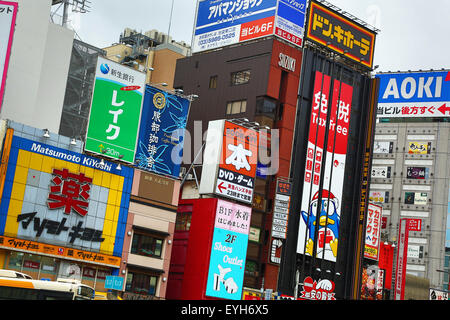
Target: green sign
{"type": "Point", "coordinates": [115, 111]}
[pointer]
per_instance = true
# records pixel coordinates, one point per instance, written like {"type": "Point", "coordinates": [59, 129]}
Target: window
{"type": "Point", "coordinates": [240, 77]}
{"type": "Point", "coordinates": [183, 221]}
{"type": "Point", "coordinates": [266, 106]}
{"type": "Point", "coordinates": [213, 82]}
{"type": "Point", "coordinates": [146, 245]}
{"type": "Point", "coordinates": [140, 283]}
{"type": "Point", "coordinates": [236, 106]}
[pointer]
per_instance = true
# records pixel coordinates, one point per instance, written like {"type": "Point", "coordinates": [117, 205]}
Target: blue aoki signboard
{"type": "Point", "coordinates": [161, 132]}
{"type": "Point", "coordinates": [414, 94]}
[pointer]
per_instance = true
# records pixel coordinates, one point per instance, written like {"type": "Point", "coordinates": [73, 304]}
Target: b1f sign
{"type": "Point", "coordinates": [414, 95]}
{"type": "Point", "coordinates": [115, 111]}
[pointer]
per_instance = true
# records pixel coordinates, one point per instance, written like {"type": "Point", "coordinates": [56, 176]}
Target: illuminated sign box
{"type": "Point", "coordinates": [63, 198]}
{"type": "Point", "coordinates": [414, 95]}
{"type": "Point", "coordinates": [340, 34]}
{"type": "Point", "coordinates": [222, 23]}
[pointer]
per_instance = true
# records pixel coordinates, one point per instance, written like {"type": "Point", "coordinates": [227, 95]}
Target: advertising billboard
{"type": "Point", "coordinates": [8, 12]}
{"type": "Point", "coordinates": [414, 94]}
{"type": "Point", "coordinates": [64, 203]}
{"type": "Point", "coordinates": [221, 23]}
{"type": "Point", "coordinates": [115, 111]}
{"type": "Point", "coordinates": [373, 232]}
{"type": "Point", "coordinates": [228, 251]}
{"type": "Point", "coordinates": [402, 255]}
{"type": "Point", "coordinates": [340, 34]}
{"type": "Point", "coordinates": [161, 132]}
{"type": "Point", "coordinates": [281, 209]}
{"type": "Point", "coordinates": [230, 161]}
{"type": "Point", "coordinates": [290, 20]}
{"type": "Point", "coordinates": [322, 208]}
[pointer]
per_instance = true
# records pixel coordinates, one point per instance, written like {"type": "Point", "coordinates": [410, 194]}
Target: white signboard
{"type": "Point", "coordinates": [8, 11]}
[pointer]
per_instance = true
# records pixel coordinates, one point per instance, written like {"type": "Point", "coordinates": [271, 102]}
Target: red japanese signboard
{"type": "Point", "coordinates": [238, 162]}
{"type": "Point", "coordinates": [325, 161]}
{"type": "Point", "coordinates": [402, 255]}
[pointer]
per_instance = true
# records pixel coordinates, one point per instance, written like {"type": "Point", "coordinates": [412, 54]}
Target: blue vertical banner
{"type": "Point", "coordinates": [161, 132]}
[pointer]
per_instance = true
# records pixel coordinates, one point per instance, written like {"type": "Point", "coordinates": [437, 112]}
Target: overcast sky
{"type": "Point", "coordinates": [413, 33]}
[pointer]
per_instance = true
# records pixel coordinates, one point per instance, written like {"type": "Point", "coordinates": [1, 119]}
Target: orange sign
{"type": "Point", "coordinates": [60, 252]}
{"type": "Point", "coordinates": [238, 162]}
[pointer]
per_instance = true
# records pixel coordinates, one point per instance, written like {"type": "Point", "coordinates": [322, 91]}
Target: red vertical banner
{"type": "Point", "coordinates": [336, 154]}
{"type": "Point", "coordinates": [313, 166]}
{"type": "Point", "coordinates": [402, 254]}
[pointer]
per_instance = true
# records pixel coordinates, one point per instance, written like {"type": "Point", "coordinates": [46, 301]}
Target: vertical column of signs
{"type": "Point", "coordinates": [281, 209]}
{"type": "Point", "coordinates": [324, 174]}
{"type": "Point", "coordinates": [115, 111]}
{"type": "Point", "coordinates": [228, 251]}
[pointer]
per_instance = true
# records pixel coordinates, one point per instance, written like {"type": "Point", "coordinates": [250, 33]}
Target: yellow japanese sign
{"type": "Point", "coordinates": [340, 34]}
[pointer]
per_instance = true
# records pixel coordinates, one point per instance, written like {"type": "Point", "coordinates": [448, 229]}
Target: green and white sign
{"type": "Point", "coordinates": [115, 111]}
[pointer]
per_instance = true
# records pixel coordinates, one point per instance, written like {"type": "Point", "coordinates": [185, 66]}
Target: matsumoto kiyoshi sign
{"type": "Point", "coordinates": [414, 95]}
{"type": "Point", "coordinates": [115, 111]}
{"type": "Point", "coordinates": [57, 196]}
{"type": "Point", "coordinates": [161, 133]}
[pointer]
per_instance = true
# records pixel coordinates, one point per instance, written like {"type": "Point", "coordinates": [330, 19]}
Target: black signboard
{"type": "Point", "coordinates": [339, 33]}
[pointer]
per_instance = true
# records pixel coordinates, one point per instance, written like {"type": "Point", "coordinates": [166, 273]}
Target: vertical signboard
{"type": "Point", "coordinates": [161, 133]}
{"type": "Point", "coordinates": [373, 232]}
{"type": "Point", "coordinates": [402, 255]}
{"type": "Point", "coordinates": [314, 157]}
{"type": "Point", "coordinates": [228, 251]}
{"type": "Point", "coordinates": [238, 162]}
{"type": "Point", "coordinates": [8, 12]}
{"type": "Point", "coordinates": [281, 209]}
{"type": "Point", "coordinates": [290, 20]}
{"type": "Point", "coordinates": [414, 95]}
{"type": "Point", "coordinates": [325, 216]}
{"type": "Point", "coordinates": [115, 111]}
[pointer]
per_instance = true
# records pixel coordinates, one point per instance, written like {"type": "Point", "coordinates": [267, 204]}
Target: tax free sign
{"type": "Point", "coordinates": [414, 94]}
{"type": "Point", "coordinates": [115, 111]}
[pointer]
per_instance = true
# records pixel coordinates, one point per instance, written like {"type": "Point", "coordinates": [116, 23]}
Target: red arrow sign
{"type": "Point", "coordinates": [221, 186]}
{"type": "Point", "coordinates": [444, 108]}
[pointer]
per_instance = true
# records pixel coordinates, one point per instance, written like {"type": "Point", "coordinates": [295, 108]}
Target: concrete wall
{"type": "Point", "coordinates": [431, 238]}
{"type": "Point", "coordinates": [38, 68]}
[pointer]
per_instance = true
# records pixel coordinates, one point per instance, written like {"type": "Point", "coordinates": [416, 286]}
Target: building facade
{"type": "Point", "coordinates": [415, 185]}
{"type": "Point", "coordinates": [257, 81]}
